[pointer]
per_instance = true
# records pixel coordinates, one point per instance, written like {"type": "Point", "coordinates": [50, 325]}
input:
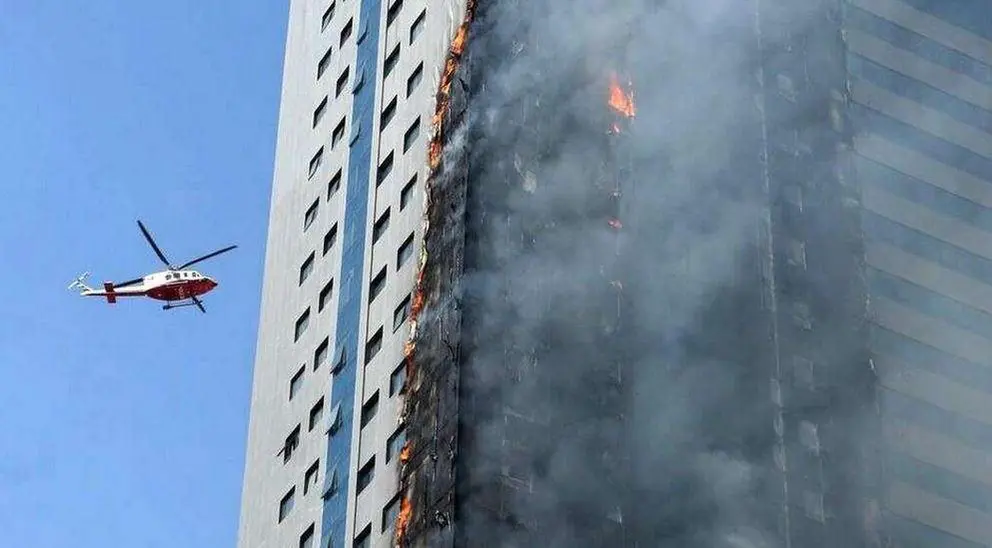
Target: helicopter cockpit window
{"type": "Point", "coordinates": [168, 276]}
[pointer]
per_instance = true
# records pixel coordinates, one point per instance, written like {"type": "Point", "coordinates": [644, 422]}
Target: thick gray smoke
{"type": "Point", "coordinates": [639, 408]}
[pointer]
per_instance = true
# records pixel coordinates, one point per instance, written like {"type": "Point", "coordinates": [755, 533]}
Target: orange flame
{"type": "Point", "coordinates": [444, 89]}
{"type": "Point", "coordinates": [621, 101]}
{"type": "Point", "coordinates": [403, 520]}
{"type": "Point", "coordinates": [405, 452]}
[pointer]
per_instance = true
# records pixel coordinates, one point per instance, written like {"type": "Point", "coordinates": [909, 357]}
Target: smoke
{"type": "Point", "coordinates": [603, 416]}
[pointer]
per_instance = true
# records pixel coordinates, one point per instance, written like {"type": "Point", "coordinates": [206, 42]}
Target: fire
{"type": "Point", "coordinates": [405, 452]}
{"type": "Point", "coordinates": [444, 89]}
{"type": "Point", "coordinates": [403, 519]}
{"type": "Point", "coordinates": [621, 101]}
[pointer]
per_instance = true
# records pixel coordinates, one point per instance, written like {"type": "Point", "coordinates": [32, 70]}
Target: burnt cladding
{"type": "Point", "coordinates": [599, 361]}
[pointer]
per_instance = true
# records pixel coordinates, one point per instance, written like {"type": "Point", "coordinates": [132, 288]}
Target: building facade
{"type": "Point", "coordinates": [345, 231]}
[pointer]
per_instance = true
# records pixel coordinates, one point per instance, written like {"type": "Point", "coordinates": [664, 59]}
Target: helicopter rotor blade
{"type": "Point", "coordinates": [129, 282]}
{"type": "Point", "coordinates": [154, 245]}
{"type": "Point", "coordinates": [199, 304]}
{"type": "Point", "coordinates": [207, 256]}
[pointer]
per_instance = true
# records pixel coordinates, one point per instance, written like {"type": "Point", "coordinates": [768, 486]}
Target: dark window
{"type": "Point", "coordinates": [394, 10]}
{"type": "Point", "coordinates": [334, 185]}
{"type": "Point", "coordinates": [296, 382]}
{"type": "Point", "coordinates": [315, 161]}
{"type": "Point", "coordinates": [346, 32]}
{"type": "Point", "coordinates": [397, 379]}
{"type": "Point", "coordinates": [301, 324]}
{"type": "Point", "coordinates": [328, 15]}
{"type": "Point", "coordinates": [325, 295]}
{"type": "Point", "coordinates": [414, 80]}
{"type": "Point", "coordinates": [404, 252]}
{"type": "Point", "coordinates": [330, 239]}
{"type": "Point", "coordinates": [418, 25]}
{"type": "Point", "coordinates": [318, 113]}
{"type": "Point", "coordinates": [316, 412]}
{"type": "Point", "coordinates": [290, 445]}
{"type": "Point", "coordinates": [385, 168]}
{"type": "Point", "coordinates": [287, 503]}
{"type": "Point", "coordinates": [380, 226]}
{"type": "Point", "coordinates": [342, 82]}
{"type": "Point", "coordinates": [366, 474]}
{"type": "Point", "coordinates": [364, 539]}
{"type": "Point", "coordinates": [401, 313]}
{"type": "Point", "coordinates": [306, 268]}
{"type": "Point", "coordinates": [407, 192]}
{"type": "Point", "coordinates": [320, 354]}
{"type": "Point", "coordinates": [306, 539]}
{"type": "Point", "coordinates": [311, 215]}
{"type": "Point", "coordinates": [373, 346]}
{"type": "Point", "coordinates": [369, 409]}
{"type": "Point", "coordinates": [390, 63]}
{"type": "Point", "coordinates": [395, 443]}
{"type": "Point", "coordinates": [411, 134]}
{"type": "Point", "coordinates": [390, 513]}
{"type": "Point", "coordinates": [376, 285]}
{"type": "Point", "coordinates": [322, 64]}
{"type": "Point", "coordinates": [338, 133]}
{"type": "Point", "coordinates": [387, 114]}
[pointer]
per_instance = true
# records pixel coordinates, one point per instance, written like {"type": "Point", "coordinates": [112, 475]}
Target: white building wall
{"type": "Point", "coordinates": [278, 356]}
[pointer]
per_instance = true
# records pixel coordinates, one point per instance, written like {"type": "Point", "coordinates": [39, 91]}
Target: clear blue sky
{"type": "Point", "coordinates": [125, 425]}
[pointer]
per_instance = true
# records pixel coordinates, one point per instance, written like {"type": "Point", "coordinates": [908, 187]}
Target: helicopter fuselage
{"type": "Point", "coordinates": [168, 285]}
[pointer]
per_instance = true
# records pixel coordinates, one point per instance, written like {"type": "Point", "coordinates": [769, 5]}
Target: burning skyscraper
{"type": "Point", "coordinates": [686, 274]}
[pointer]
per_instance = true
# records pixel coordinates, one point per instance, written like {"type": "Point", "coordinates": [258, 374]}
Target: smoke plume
{"type": "Point", "coordinates": [615, 373]}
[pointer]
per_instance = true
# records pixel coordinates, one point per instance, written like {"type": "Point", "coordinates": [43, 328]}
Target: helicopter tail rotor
{"type": "Point", "coordinates": [78, 283]}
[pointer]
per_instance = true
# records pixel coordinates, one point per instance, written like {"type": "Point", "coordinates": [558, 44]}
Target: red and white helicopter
{"type": "Point", "coordinates": [174, 286]}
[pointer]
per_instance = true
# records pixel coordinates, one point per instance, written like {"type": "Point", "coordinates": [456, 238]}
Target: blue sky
{"type": "Point", "coordinates": [125, 425]}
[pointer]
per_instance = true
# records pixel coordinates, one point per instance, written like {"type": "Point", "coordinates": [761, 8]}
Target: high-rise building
{"type": "Point", "coordinates": [609, 314]}
{"type": "Point", "coordinates": [345, 231]}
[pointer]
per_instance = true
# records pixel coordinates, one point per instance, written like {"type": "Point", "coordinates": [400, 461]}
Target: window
{"type": "Point", "coordinates": [318, 113]}
{"type": "Point", "coordinates": [290, 445]}
{"type": "Point", "coordinates": [315, 161]}
{"type": "Point", "coordinates": [373, 346]}
{"type": "Point", "coordinates": [346, 32]}
{"type": "Point", "coordinates": [796, 253]}
{"type": "Point", "coordinates": [320, 355]}
{"type": "Point", "coordinates": [311, 215]}
{"type": "Point", "coordinates": [418, 25]}
{"type": "Point", "coordinates": [316, 412]}
{"type": "Point", "coordinates": [306, 268]}
{"type": "Point", "coordinates": [287, 503]}
{"type": "Point", "coordinates": [395, 443]}
{"type": "Point", "coordinates": [325, 295]}
{"type": "Point", "coordinates": [369, 409]}
{"type": "Point", "coordinates": [404, 252]}
{"type": "Point", "coordinates": [414, 80]}
{"type": "Point", "coordinates": [387, 114]}
{"type": "Point", "coordinates": [385, 168]}
{"type": "Point", "coordinates": [364, 540]}
{"type": "Point", "coordinates": [366, 474]}
{"type": "Point", "coordinates": [394, 10]}
{"type": "Point", "coordinates": [342, 82]}
{"type": "Point", "coordinates": [328, 15]}
{"type": "Point", "coordinates": [296, 382]}
{"type": "Point", "coordinates": [390, 63]}
{"type": "Point", "coordinates": [306, 539]}
{"type": "Point", "coordinates": [407, 193]}
{"type": "Point", "coordinates": [380, 226]}
{"type": "Point", "coordinates": [330, 238]}
{"type": "Point", "coordinates": [401, 313]}
{"type": "Point", "coordinates": [390, 513]}
{"type": "Point", "coordinates": [397, 379]}
{"type": "Point", "coordinates": [322, 64]}
{"type": "Point", "coordinates": [376, 285]}
{"type": "Point", "coordinates": [411, 134]}
{"type": "Point", "coordinates": [301, 324]}
{"type": "Point", "coordinates": [334, 185]}
{"type": "Point", "coordinates": [338, 133]}
{"type": "Point", "coordinates": [310, 477]}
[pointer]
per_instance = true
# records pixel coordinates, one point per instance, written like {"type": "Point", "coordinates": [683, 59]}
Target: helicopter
{"type": "Point", "coordinates": [178, 286]}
